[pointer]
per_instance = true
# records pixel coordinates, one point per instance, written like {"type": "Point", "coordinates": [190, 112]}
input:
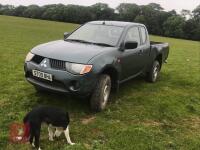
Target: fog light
{"type": "Point", "coordinates": [74, 86]}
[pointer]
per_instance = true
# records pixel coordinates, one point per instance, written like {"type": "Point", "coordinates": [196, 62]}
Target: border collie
{"type": "Point", "coordinates": [55, 118]}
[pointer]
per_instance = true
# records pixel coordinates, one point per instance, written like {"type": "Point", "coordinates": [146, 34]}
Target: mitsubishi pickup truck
{"type": "Point", "coordinates": [95, 59]}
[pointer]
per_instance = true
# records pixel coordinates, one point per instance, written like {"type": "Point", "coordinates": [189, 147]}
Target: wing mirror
{"type": "Point", "coordinates": [131, 45]}
{"type": "Point", "coordinates": [66, 34]}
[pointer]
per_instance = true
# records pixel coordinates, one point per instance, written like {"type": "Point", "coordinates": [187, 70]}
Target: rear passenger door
{"type": "Point", "coordinates": [144, 46]}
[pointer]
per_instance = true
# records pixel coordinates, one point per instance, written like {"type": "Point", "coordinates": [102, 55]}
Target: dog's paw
{"type": "Point", "coordinates": [51, 139]}
{"type": "Point", "coordinates": [33, 144]}
{"type": "Point", "coordinates": [72, 143]}
{"type": "Point", "coordinates": [39, 148]}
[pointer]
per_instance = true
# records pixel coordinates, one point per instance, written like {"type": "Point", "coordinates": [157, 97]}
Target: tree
{"type": "Point", "coordinates": [140, 19]}
{"type": "Point", "coordinates": [85, 14]}
{"type": "Point", "coordinates": [76, 14]}
{"type": "Point", "coordinates": [173, 26]}
{"type": "Point", "coordinates": [172, 12]}
{"type": "Point", "coordinates": [155, 6]}
{"type": "Point", "coordinates": [128, 11]}
{"type": "Point", "coordinates": [186, 13]}
{"type": "Point", "coordinates": [192, 26]}
{"type": "Point", "coordinates": [19, 11]}
{"type": "Point", "coordinates": [196, 12]}
{"type": "Point", "coordinates": [7, 10]}
{"type": "Point", "coordinates": [0, 9]}
{"type": "Point", "coordinates": [53, 12]}
{"type": "Point", "coordinates": [33, 11]}
{"type": "Point", "coordinates": [151, 19]}
{"type": "Point", "coordinates": [192, 29]}
{"type": "Point", "coordinates": [158, 21]}
{"type": "Point", "coordinates": [102, 11]}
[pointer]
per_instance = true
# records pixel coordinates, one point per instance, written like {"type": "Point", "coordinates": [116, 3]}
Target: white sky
{"type": "Point", "coordinates": [178, 5]}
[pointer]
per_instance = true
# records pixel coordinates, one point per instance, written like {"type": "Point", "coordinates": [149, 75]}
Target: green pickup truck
{"type": "Point", "coordinates": [95, 59]}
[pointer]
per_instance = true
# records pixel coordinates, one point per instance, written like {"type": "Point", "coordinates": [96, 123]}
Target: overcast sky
{"type": "Point", "coordinates": [166, 4]}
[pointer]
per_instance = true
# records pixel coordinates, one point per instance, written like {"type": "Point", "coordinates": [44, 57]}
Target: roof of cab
{"type": "Point", "coordinates": [115, 23]}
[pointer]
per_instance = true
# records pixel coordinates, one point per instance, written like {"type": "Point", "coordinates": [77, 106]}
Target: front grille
{"type": "Point", "coordinates": [37, 59]}
{"type": "Point", "coordinates": [57, 64]}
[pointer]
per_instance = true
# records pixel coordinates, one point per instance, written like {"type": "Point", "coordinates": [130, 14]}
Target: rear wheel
{"type": "Point", "coordinates": [152, 76]}
{"type": "Point", "coordinates": [101, 93]}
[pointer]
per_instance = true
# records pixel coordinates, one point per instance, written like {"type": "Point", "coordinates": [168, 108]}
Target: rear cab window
{"type": "Point", "coordinates": [143, 35]}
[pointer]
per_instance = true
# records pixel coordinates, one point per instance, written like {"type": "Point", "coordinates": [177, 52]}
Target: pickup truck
{"type": "Point", "coordinates": [95, 59]}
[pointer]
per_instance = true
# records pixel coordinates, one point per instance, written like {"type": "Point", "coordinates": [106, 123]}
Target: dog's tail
{"type": "Point", "coordinates": [25, 120]}
{"type": "Point", "coordinates": [26, 134]}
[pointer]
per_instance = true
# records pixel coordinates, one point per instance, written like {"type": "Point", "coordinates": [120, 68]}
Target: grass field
{"type": "Point", "coordinates": [142, 116]}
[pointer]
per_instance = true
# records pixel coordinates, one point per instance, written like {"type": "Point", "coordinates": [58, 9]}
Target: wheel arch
{"type": "Point", "coordinates": [114, 75]}
{"type": "Point", "coordinates": [159, 58]}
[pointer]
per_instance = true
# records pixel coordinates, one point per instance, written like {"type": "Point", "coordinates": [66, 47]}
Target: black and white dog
{"type": "Point", "coordinates": [55, 118]}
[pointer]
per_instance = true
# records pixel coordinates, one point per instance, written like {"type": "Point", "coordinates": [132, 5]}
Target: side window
{"type": "Point", "coordinates": [143, 35]}
{"type": "Point", "coordinates": [133, 35]}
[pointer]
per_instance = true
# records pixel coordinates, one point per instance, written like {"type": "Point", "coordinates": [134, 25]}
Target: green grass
{"type": "Point", "coordinates": [165, 115]}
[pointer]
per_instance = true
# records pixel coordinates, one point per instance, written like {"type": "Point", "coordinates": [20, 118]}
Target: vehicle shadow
{"type": "Point", "coordinates": [76, 104]}
{"type": "Point", "coordinates": [139, 84]}
{"type": "Point", "coordinates": [127, 87]}
{"type": "Point", "coordinates": [66, 102]}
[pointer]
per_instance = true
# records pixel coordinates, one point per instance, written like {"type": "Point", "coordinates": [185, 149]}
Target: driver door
{"type": "Point", "coordinates": [131, 58]}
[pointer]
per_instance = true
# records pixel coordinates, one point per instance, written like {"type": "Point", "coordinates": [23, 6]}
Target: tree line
{"type": "Point", "coordinates": [159, 22]}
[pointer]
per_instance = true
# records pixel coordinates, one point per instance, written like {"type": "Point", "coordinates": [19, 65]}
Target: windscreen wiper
{"type": "Point", "coordinates": [83, 41]}
{"type": "Point", "coordinates": [103, 44]}
{"type": "Point", "coordinates": [77, 40]}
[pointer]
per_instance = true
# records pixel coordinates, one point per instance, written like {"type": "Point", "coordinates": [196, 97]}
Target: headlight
{"type": "Point", "coordinates": [78, 68]}
{"type": "Point", "coordinates": [29, 56]}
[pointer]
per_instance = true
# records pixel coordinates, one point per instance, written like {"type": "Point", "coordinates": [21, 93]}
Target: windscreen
{"type": "Point", "coordinates": [96, 33]}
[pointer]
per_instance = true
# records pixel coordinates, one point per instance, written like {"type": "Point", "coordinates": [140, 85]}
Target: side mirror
{"type": "Point", "coordinates": [66, 34]}
{"type": "Point", "coordinates": [131, 45]}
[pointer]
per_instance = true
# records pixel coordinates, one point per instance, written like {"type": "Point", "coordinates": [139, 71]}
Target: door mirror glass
{"type": "Point", "coordinates": [131, 45]}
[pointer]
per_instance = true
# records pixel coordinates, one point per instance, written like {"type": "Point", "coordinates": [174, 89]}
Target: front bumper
{"type": "Point", "coordinates": [63, 81]}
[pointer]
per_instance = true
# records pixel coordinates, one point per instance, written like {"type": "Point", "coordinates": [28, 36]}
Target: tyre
{"type": "Point", "coordinates": [101, 93]}
{"type": "Point", "coordinates": [153, 75]}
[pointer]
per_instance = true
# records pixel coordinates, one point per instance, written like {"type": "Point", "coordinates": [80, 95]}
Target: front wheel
{"type": "Point", "coordinates": [101, 93]}
{"type": "Point", "coordinates": [152, 76]}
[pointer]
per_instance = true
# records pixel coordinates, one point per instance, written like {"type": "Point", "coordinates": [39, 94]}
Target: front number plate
{"type": "Point", "coordinates": [42, 75]}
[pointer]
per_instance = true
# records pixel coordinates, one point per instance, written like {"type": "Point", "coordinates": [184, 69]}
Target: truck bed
{"type": "Point", "coordinates": [160, 47]}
